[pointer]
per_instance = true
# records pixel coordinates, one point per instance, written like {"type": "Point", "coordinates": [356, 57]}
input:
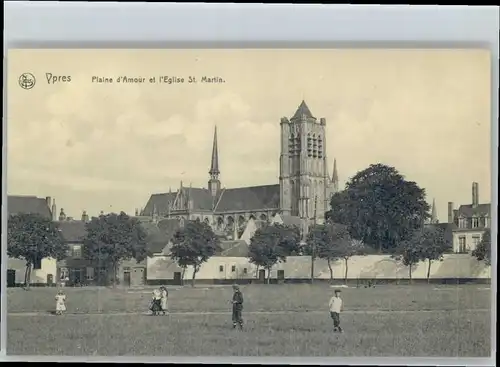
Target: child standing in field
{"type": "Point", "coordinates": [156, 302]}
{"type": "Point", "coordinates": [60, 302]}
{"type": "Point", "coordinates": [164, 299]}
{"type": "Point", "coordinates": [336, 306]}
{"type": "Point", "coordinates": [237, 302]}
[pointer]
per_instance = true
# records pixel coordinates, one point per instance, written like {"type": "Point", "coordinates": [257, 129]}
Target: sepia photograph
{"type": "Point", "coordinates": [249, 202]}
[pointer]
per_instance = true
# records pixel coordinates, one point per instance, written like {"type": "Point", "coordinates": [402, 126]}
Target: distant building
{"type": "Point", "coordinates": [469, 222]}
{"type": "Point", "coordinates": [303, 191]}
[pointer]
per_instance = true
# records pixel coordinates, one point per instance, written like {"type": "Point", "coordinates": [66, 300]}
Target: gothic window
{"type": "Point", "coordinates": [220, 223]}
{"type": "Point", "coordinates": [309, 145]}
{"type": "Point", "coordinates": [315, 147]}
{"type": "Point", "coordinates": [241, 221]}
{"type": "Point", "coordinates": [230, 221]}
{"type": "Point", "coordinates": [206, 221]}
{"type": "Point", "coordinates": [291, 144]}
{"type": "Point", "coordinates": [298, 146]}
{"type": "Point", "coordinates": [252, 217]}
{"type": "Point", "coordinates": [263, 217]}
{"type": "Point", "coordinates": [320, 147]}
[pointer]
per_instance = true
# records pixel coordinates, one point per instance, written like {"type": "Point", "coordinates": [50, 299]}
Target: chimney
{"type": "Point", "coordinates": [54, 210]}
{"type": "Point", "coordinates": [475, 194]}
{"type": "Point", "coordinates": [450, 212]}
{"type": "Point", "coordinates": [62, 215]}
{"type": "Point", "coordinates": [48, 200]}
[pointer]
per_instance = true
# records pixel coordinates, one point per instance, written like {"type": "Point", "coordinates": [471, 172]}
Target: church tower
{"type": "Point", "coordinates": [214, 183]}
{"type": "Point", "coordinates": [303, 172]}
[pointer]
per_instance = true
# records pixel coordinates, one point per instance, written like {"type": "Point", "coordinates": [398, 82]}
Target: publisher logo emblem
{"type": "Point", "coordinates": [27, 81]}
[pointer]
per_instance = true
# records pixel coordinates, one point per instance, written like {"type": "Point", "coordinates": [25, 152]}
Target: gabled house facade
{"type": "Point", "coordinates": [469, 222]}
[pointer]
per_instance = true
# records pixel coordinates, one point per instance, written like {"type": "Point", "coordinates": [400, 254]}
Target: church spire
{"type": "Point", "coordinates": [214, 166]}
{"type": "Point", "coordinates": [214, 183]}
{"type": "Point", "coordinates": [433, 212]}
{"type": "Point", "coordinates": [335, 176]}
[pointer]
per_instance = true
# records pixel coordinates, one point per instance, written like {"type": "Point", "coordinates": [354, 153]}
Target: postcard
{"type": "Point", "coordinates": [249, 202]}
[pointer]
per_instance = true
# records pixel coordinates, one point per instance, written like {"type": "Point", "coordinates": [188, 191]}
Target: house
{"type": "Point", "coordinates": [44, 271]}
{"type": "Point", "coordinates": [469, 222]}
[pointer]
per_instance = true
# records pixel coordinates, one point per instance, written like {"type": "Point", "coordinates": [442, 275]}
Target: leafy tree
{"type": "Point", "coordinates": [432, 244]}
{"type": "Point", "coordinates": [408, 254]}
{"type": "Point", "coordinates": [113, 238]}
{"type": "Point", "coordinates": [272, 244]}
{"type": "Point", "coordinates": [324, 240]}
{"type": "Point", "coordinates": [483, 250]}
{"type": "Point", "coordinates": [32, 237]}
{"type": "Point", "coordinates": [192, 245]}
{"type": "Point", "coordinates": [380, 207]}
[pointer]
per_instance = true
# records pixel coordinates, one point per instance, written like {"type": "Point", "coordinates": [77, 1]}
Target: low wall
{"type": "Point", "coordinates": [375, 267]}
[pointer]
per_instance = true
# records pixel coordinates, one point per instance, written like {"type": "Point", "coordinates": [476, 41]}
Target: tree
{"type": "Point", "coordinates": [272, 244]}
{"type": "Point", "coordinates": [432, 245]}
{"type": "Point", "coordinates": [408, 254]}
{"type": "Point", "coordinates": [325, 240]}
{"type": "Point", "coordinates": [32, 237]}
{"type": "Point", "coordinates": [113, 238]}
{"type": "Point", "coordinates": [380, 207]}
{"type": "Point", "coordinates": [192, 245]}
{"type": "Point", "coordinates": [483, 250]}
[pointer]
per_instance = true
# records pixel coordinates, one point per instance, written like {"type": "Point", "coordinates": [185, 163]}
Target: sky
{"type": "Point", "coordinates": [109, 146]}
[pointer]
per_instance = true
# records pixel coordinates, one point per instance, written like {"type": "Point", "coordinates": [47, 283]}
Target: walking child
{"type": "Point", "coordinates": [60, 302]}
{"type": "Point", "coordinates": [336, 306]}
{"type": "Point", "coordinates": [237, 307]}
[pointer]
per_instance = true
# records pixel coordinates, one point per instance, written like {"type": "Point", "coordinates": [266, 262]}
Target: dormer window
{"type": "Point", "coordinates": [475, 222]}
{"type": "Point", "coordinates": [462, 222]}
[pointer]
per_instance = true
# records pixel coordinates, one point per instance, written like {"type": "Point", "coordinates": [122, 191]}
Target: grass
{"type": "Point", "coordinates": [452, 321]}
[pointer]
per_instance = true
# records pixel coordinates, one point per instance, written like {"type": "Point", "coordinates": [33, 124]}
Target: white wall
{"type": "Point", "coordinates": [49, 266]}
{"type": "Point", "coordinates": [299, 267]}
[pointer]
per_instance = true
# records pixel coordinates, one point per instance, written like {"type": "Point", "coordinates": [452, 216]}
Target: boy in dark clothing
{"type": "Point", "coordinates": [237, 307]}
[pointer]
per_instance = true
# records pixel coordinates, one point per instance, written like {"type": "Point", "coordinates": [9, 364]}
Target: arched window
{"type": "Point", "coordinates": [230, 222]}
{"type": "Point", "coordinates": [220, 223]}
{"type": "Point", "coordinates": [207, 221]}
{"type": "Point", "coordinates": [263, 217]}
{"type": "Point", "coordinates": [291, 144]}
{"type": "Point", "coordinates": [315, 146]}
{"type": "Point", "coordinates": [309, 145]}
{"type": "Point", "coordinates": [252, 216]}
{"type": "Point", "coordinates": [298, 146]}
{"type": "Point", "coordinates": [241, 221]}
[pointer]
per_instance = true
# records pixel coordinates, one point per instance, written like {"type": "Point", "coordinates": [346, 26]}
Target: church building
{"type": "Point", "coordinates": [301, 195]}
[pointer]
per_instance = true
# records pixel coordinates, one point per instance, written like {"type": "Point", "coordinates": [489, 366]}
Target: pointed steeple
{"type": "Point", "coordinates": [335, 177]}
{"type": "Point", "coordinates": [433, 212]}
{"type": "Point", "coordinates": [303, 110]}
{"type": "Point", "coordinates": [214, 165]}
{"type": "Point", "coordinates": [214, 183]}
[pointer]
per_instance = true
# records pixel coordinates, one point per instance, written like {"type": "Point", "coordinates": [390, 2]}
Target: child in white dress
{"type": "Point", "coordinates": [60, 302]}
{"type": "Point", "coordinates": [164, 300]}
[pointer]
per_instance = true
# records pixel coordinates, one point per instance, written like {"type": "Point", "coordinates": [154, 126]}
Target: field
{"type": "Point", "coordinates": [280, 320]}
